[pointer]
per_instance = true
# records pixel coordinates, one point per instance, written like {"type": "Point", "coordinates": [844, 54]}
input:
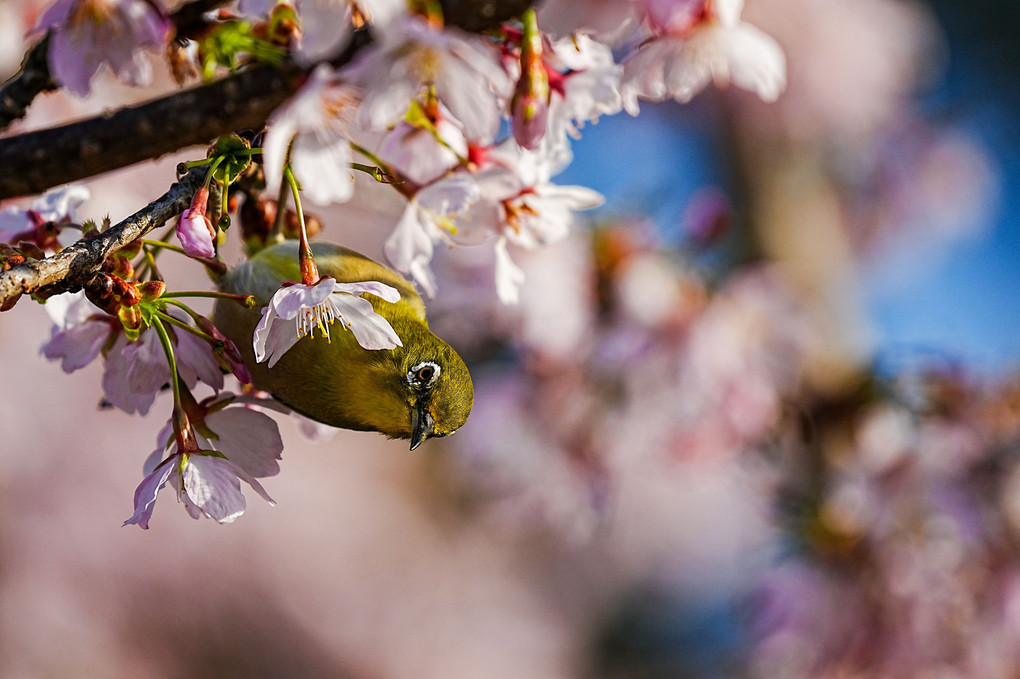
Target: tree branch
{"type": "Point", "coordinates": [33, 79]}
{"type": "Point", "coordinates": [69, 269]}
{"type": "Point", "coordinates": [36, 161]}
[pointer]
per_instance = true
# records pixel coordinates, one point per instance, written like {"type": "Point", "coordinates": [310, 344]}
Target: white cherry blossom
{"type": "Point", "coordinates": [685, 57]}
{"type": "Point", "coordinates": [297, 310]}
{"type": "Point", "coordinates": [465, 71]}
{"type": "Point", "coordinates": [318, 120]}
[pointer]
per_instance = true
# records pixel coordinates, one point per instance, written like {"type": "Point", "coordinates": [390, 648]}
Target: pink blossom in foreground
{"type": "Point", "coordinates": [695, 45]}
{"type": "Point", "coordinates": [136, 371]}
{"type": "Point", "coordinates": [464, 70]}
{"type": "Point", "coordinates": [296, 310]}
{"type": "Point", "coordinates": [85, 34]}
{"type": "Point", "coordinates": [80, 330]}
{"type": "Point", "coordinates": [238, 444]}
{"type": "Point", "coordinates": [194, 230]}
{"type": "Point", "coordinates": [316, 125]}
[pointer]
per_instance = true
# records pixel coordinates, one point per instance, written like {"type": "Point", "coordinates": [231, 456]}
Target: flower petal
{"type": "Point", "coordinates": [250, 439]}
{"type": "Point", "coordinates": [212, 484]}
{"type": "Point", "coordinates": [145, 495]}
{"type": "Point", "coordinates": [370, 329]}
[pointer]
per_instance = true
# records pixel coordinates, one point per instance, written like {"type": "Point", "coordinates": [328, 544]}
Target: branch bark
{"type": "Point", "coordinates": [36, 161]}
{"type": "Point", "coordinates": [69, 269]}
{"type": "Point", "coordinates": [33, 79]}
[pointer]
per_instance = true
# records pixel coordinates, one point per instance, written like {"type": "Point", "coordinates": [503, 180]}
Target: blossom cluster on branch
{"type": "Point", "coordinates": [469, 128]}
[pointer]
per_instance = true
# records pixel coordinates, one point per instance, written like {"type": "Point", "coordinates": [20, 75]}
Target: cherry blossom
{"type": "Point", "coordinates": [316, 126]}
{"type": "Point", "coordinates": [587, 88]}
{"type": "Point", "coordinates": [232, 444]}
{"type": "Point", "coordinates": [56, 206]}
{"type": "Point", "coordinates": [412, 56]}
{"type": "Point", "coordinates": [698, 42]}
{"type": "Point", "coordinates": [80, 330]}
{"type": "Point", "coordinates": [520, 205]}
{"type": "Point", "coordinates": [296, 310]}
{"type": "Point", "coordinates": [194, 229]}
{"type": "Point", "coordinates": [136, 371]}
{"type": "Point", "coordinates": [430, 216]}
{"type": "Point", "coordinates": [85, 34]}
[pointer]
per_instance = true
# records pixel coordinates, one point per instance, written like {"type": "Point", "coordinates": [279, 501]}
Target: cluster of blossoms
{"type": "Point", "coordinates": [470, 129]}
{"type": "Point", "coordinates": [439, 96]}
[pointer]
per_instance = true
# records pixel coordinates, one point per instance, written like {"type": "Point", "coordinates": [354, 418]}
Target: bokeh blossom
{"type": "Point", "coordinates": [696, 43]}
{"type": "Point", "coordinates": [85, 34]}
{"type": "Point", "coordinates": [465, 72]}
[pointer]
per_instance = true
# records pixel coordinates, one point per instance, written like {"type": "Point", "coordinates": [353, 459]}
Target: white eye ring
{"type": "Point", "coordinates": [413, 377]}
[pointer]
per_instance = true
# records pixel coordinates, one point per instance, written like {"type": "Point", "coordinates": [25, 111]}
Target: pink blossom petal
{"type": "Point", "coordinates": [509, 277]}
{"type": "Point", "coordinates": [386, 292]}
{"type": "Point", "coordinates": [273, 338]}
{"type": "Point", "coordinates": [409, 249]}
{"type": "Point", "coordinates": [248, 438]}
{"type": "Point", "coordinates": [145, 495]}
{"type": "Point", "coordinates": [195, 233]}
{"type": "Point", "coordinates": [370, 329]}
{"type": "Point", "coordinates": [195, 361]}
{"type": "Point", "coordinates": [77, 346]}
{"type": "Point", "coordinates": [212, 484]}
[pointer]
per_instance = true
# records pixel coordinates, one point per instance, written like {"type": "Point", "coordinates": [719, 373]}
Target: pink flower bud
{"type": "Point", "coordinates": [194, 229]}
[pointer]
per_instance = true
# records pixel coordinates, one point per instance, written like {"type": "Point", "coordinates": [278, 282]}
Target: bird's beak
{"type": "Point", "coordinates": [422, 424]}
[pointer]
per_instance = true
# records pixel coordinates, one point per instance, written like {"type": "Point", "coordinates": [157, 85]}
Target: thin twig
{"type": "Point", "coordinates": [69, 269]}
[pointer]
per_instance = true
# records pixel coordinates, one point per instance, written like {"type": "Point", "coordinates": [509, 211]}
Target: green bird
{"type": "Point", "coordinates": [416, 391]}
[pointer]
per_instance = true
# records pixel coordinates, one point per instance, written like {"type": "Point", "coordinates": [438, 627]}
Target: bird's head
{"type": "Point", "coordinates": [436, 389]}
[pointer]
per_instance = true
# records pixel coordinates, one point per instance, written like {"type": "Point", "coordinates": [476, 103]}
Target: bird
{"type": "Point", "coordinates": [419, 390]}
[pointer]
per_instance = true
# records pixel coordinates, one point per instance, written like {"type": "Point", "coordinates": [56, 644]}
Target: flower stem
{"type": "Point", "coordinates": [154, 273]}
{"type": "Point", "coordinates": [184, 326]}
{"type": "Point", "coordinates": [244, 300]}
{"type": "Point", "coordinates": [309, 272]}
{"type": "Point", "coordinates": [168, 348]}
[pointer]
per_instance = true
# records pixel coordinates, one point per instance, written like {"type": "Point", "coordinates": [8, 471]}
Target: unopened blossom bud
{"type": "Point", "coordinates": [131, 319]}
{"type": "Point", "coordinates": [129, 294]}
{"type": "Point", "coordinates": [119, 266]}
{"type": "Point", "coordinates": [194, 230]}
{"type": "Point", "coordinates": [530, 105]}
{"type": "Point", "coordinates": [10, 257]}
{"type": "Point", "coordinates": [151, 290]}
{"type": "Point", "coordinates": [100, 291]}
{"type": "Point", "coordinates": [31, 250]}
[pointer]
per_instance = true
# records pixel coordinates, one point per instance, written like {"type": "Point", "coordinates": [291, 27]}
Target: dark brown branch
{"type": "Point", "coordinates": [69, 269]}
{"type": "Point", "coordinates": [33, 79]}
{"type": "Point", "coordinates": [36, 161]}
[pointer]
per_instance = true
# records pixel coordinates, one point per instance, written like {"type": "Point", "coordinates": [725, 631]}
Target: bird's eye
{"type": "Point", "coordinates": [423, 374]}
